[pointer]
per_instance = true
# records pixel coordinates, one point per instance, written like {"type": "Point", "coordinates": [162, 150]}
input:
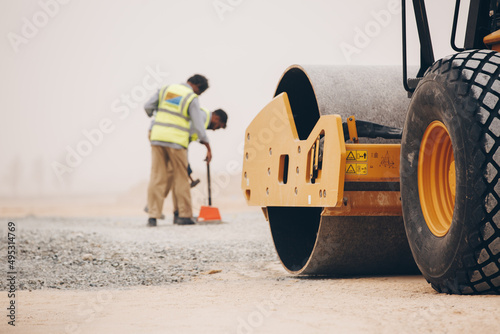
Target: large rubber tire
{"type": "Point", "coordinates": [458, 99]}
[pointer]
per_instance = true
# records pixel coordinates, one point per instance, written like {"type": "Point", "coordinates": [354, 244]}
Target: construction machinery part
{"type": "Point", "coordinates": [333, 207]}
{"type": "Point", "coordinates": [309, 243]}
{"type": "Point", "coordinates": [368, 93]}
{"type": "Point", "coordinates": [354, 130]}
{"type": "Point", "coordinates": [493, 40]}
{"type": "Point", "coordinates": [335, 197]}
{"type": "Point", "coordinates": [279, 169]}
{"type": "Point", "coordinates": [450, 173]}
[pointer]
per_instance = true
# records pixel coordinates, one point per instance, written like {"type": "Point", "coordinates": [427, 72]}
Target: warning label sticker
{"type": "Point", "coordinates": [359, 169]}
{"type": "Point", "coordinates": [357, 156]}
{"type": "Point", "coordinates": [361, 155]}
{"type": "Point", "coordinates": [350, 169]}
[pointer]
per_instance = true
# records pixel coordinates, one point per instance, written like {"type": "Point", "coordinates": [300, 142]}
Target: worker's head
{"type": "Point", "coordinates": [218, 120]}
{"type": "Point", "coordinates": [199, 83]}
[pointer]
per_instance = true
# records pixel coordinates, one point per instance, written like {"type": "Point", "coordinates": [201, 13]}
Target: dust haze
{"type": "Point", "coordinates": [75, 75]}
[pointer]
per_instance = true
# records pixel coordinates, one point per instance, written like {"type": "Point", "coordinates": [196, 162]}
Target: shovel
{"type": "Point", "coordinates": [209, 213]}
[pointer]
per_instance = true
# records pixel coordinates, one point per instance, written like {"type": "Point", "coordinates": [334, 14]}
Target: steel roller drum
{"type": "Point", "coordinates": [309, 242]}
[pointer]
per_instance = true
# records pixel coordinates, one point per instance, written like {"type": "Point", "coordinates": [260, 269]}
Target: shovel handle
{"type": "Point", "coordinates": [209, 188]}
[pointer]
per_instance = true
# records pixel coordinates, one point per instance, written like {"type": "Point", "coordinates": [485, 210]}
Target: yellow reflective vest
{"type": "Point", "coordinates": [172, 121]}
{"type": "Point", "coordinates": [194, 136]}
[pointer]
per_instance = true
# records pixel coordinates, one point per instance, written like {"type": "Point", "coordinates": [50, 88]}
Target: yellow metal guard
{"type": "Point", "coordinates": [277, 165]}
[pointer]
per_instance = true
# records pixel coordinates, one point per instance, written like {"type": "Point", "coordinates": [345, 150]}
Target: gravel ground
{"type": "Point", "coordinates": [115, 275]}
{"type": "Point", "coordinates": [88, 253]}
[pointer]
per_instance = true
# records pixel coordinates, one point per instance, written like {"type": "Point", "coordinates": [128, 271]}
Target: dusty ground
{"type": "Point", "coordinates": [230, 282]}
{"type": "Point", "coordinates": [243, 301]}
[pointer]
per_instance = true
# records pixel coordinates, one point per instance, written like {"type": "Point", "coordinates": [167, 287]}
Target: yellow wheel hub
{"type": "Point", "coordinates": [436, 178]}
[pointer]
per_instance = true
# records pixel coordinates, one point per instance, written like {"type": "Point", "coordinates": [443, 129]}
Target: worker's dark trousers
{"type": "Point", "coordinates": [168, 162]}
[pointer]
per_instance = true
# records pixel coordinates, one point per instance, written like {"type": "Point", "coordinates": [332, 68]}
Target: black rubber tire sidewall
{"type": "Point", "coordinates": [434, 101]}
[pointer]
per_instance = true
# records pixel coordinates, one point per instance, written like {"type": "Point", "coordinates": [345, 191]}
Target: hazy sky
{"type": "Point", "coordinates": [71, 67]}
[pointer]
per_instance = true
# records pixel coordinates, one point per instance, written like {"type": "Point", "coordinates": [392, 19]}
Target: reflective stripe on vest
{"type": "Point", "coordinates": [172, 121]}
{"type": "Point", "coordinates": [194, 136]}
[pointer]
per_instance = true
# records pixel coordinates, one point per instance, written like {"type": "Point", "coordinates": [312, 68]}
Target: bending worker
{"type": "Point", "coordinates": [177, 111]}
{"type": "Point", "coordinates": [213, 121]}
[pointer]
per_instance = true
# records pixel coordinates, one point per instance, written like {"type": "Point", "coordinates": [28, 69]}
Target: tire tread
{"type": "Point", "coordinates": [475, 78]}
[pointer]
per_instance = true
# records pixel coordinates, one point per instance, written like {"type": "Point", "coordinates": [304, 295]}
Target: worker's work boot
{"type": "Point", "coordinates": [151, 222]}
{"type": "Point", "coordinates": [183, 221]}
{"type": "Point", "coordinates": [176, 216]}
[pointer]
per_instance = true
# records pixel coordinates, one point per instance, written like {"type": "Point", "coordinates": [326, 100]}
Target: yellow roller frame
{"type": "Point", "coordinates": [277, 165]}
{"type": "Point", "coordinates": [493, 40]}
{"type": "Point", "coordinates": [279, 169]}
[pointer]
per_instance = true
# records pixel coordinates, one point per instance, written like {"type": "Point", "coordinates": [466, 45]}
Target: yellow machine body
{"type": "Point", "coordinates": [493, 40]}
{"type": "Point", "coordinates": [281, 170]}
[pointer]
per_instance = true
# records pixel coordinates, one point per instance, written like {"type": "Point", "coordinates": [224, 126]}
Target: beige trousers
{"type": "Point", "coordinates": [170, 184]}
{"type": "Point", "coordinates": [169, 171]}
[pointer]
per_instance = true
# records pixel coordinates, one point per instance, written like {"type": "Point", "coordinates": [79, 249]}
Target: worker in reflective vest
{"type": "Point", "coordinates": [177, 111]}
{"type": "Point", "coordinates": [212, 121]}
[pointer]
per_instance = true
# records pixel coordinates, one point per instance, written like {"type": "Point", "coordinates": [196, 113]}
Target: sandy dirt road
{"type": "Point", "coordinates": [266, 303]}
{"type": "Point", "coordinates": [238, 294]}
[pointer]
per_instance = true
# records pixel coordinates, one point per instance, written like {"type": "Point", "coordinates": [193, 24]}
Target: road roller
{"type": "Point", "coordinates": [358, 174]}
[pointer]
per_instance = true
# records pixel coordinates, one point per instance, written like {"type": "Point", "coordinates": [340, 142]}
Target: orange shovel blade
{"type": "Point", "coordinates": [208, 213]}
